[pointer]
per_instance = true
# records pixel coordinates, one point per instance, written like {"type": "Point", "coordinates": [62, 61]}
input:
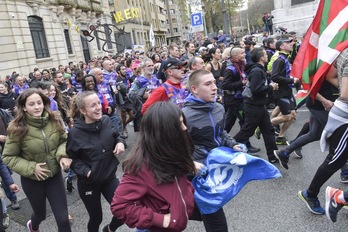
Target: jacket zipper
{"type": "Point", "coordinates": [46, 149]}
{"type": "Point", "coordinates": [182, 198]}
{"type": "Point", "coordinates": [213, 125]}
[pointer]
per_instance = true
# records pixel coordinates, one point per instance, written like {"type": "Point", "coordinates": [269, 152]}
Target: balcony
{"type": "Point", "coordinates": [67, 3]}
{"type": "Point", "coordinates": [96, 6]}
{"type": "Point", "coordinates": [84, 5]}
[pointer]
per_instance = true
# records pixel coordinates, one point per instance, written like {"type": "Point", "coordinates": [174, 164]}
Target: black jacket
{"type": "Point", "coordinates": [232, 86]}
{"type": "Point", "coordinates": [279, 76]}
{"type": "Point", "coordinates": [257, 82]}
{"type": "Point", "coordinates": [91, 148]}
{"type": "Point", "coordinates": [8, 101]}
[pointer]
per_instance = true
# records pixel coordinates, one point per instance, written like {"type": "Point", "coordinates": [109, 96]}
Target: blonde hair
{"type": "Point", "coordinates": [227, 53]}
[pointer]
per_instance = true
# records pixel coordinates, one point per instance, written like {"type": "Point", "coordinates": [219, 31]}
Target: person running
{"type": "Point", "coordinates": [154, 193]}
{"type": "Point", "coordinates": [93, 144]}
{"type": "Point", "coordinates": [205, 122]}
{"type": "Point", "coordinates": [256, 114]}
{"type": "Point", "coordinates": [35, 149]}
{"type": "Point", "coordinates": [334, 138]}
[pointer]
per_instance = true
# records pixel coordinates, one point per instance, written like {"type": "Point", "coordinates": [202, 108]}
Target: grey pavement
{"type": "Point", "coordinates": [271, 205]}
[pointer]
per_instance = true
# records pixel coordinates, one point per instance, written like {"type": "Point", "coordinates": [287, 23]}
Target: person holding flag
{"type": "Point", "coordinates": [334, 138]}
{"type": "Point", "coordinates": [205, 123]}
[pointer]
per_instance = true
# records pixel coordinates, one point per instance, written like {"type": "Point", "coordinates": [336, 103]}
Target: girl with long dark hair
{"type": "Point", "coordinates": [155, 194]}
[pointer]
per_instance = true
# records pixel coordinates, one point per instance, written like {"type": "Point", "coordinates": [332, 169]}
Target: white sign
{"type": "Point", "coordinates": [197, 22]}
{"type": "Point", "coordinates": [20, 45]}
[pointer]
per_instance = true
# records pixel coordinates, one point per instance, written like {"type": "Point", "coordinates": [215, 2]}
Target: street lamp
{"type": "Point", "coordinates": [225, 17]}
{"type": "Point", "coordinates": [203, 15]}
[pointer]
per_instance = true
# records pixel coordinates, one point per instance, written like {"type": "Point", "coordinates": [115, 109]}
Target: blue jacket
{"type": "Point", "coordinates": [205, 124]}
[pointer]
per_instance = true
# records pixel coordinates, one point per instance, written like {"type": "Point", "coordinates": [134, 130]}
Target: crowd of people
{"type": "Point", "coordinates": [76, 118]}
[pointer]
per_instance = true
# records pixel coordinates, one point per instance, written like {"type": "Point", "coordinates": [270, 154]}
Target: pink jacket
{"type": "Point", "coordinates": [140, 202]}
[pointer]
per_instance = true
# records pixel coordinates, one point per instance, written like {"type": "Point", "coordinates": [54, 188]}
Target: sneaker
{"type": "Point", "coordinates": [276, 130]}
{"type": "Point", "coordinates": [281, 141]}
{"type": "Point", "coordinates": [331, 206]}
{"type": "Point", "coordinates": [125, 133]}
{"type": "Point", "coordinates": [6, 221]}
{"type": "Point", "coordinates": [313, 204]}
{"type": "Point", "coordinates": [257, 133]}
{"type": "Point", "coordinates": [272, 159]}
{"type": "Point", "coordinates": [105, 228]}
{"type": "Point", "coordinates": [282, 157]}
{"type": "Point", "coordinates": [252, 149]}
{"type": "Point", "coordinates": [15, 205]}
{"type": "Point", "coordinates": [344, 179]}
{"type": "Point", "coordinates": [30, 228]}
{"type": "Point", "coordinates": [298, 154]}
{"type": "Point", "coordinates": [69, 185]}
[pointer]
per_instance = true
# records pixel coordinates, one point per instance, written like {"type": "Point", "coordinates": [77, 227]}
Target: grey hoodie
{"type": "Point", "coordinates": [205, 124]}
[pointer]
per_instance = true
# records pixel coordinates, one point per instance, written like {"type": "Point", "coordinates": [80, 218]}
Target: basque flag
{"type": "Point", "coordinates": [325, 39]}
{"type": "Point", "coordinates": [228, 172]}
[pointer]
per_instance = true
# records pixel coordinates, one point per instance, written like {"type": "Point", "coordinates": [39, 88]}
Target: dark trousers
{"type": "Point", "coordinates": [215, 222]}
{"type": "Point", "coordinates": [317, 123]}
{"type": "Point", "coordinates": [257, 116]}
{"type": "Point", "coordinates": [337, 157]}
{"type": "Point", "coordinates": [53, 189]}
{"type": "Point", "coordinates": [2, 229]}
{"type": "Point", "coordinates": [234, 112]}
{"type": "Point", "coordinates": [90, 194]}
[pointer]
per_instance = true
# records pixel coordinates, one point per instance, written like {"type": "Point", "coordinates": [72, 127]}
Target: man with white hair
{"type": "Point", "coordinates": [221, 38]}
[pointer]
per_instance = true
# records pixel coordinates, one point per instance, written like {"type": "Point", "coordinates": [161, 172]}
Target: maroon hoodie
{"type": "Point", "coordinates": [140, 202]}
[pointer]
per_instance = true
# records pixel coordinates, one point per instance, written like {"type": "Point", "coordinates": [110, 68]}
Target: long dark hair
{"type": "Point", "coordinates": [162, 144]}
{"type": "Point", "coordinates": [18, 127]}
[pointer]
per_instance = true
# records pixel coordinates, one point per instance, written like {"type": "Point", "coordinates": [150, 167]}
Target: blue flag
{"type": "Point", "coordinates": [228, 172]}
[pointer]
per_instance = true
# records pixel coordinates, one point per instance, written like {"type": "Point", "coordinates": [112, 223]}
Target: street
{"type": "Point", "coordinates": [271, 205]}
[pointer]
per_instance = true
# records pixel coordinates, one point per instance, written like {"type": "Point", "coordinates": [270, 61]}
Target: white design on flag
{"type": "Point", "coordinates": [325, 53]}
{"type": "Point", "coordinates": [222, 179]}
{"type": "Point", "coordinates": [152, 36]}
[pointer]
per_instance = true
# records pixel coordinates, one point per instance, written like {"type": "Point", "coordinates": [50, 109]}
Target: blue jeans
{"type": "Point", "coordinates": [142, 230]}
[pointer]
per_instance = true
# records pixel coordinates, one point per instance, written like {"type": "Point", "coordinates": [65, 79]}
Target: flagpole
{"type": "Point", "coordinates": [142, 25]}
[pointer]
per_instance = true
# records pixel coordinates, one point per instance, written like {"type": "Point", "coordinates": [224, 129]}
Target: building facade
{"type": "Point", "coordinates": [165, 17]}
{"type": "Point", "coordinates": [46, 33]}
{"type": "Point", "coordinates": [43, 34]}
{"type": "Point", "coordinates": [295, 15]}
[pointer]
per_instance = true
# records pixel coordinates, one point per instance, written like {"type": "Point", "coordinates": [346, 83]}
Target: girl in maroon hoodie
{"type": "Point", "coordinates": [154, 193]}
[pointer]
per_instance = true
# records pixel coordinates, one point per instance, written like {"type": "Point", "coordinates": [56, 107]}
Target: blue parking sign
{"type": "Point", "coordinates": [196, 19]}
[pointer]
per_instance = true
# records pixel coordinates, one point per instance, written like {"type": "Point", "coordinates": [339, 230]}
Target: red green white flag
{"type": "Point", "coordinates": [325, 39]}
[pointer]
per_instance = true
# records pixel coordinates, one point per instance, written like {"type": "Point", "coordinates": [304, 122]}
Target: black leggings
{"type": "Point", "coordinates": [53, 189]}
{"type": "Point", "coordinates": [90, 194]}
{"type": "Point", "coordinates": [337, 157]}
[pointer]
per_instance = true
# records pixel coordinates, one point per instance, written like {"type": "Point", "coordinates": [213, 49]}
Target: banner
{"type": "Point", "coordinates": [325, 39]}
{"type": "Point", "coordinates": [152, 36]}
{"type": "Point", "coordinates": [228, 172]}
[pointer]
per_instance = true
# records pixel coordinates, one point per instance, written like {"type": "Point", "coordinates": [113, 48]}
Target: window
{"type": "Point", "coordinates": [108, 36]}
{"type": "Point", "coordinates": [68, 42]}
{"type": "Point", "coordinates": [175, 30]}
{"type": "Point", "coordinates": [297, 2]}
{"type": "Point", "coordinates": [38, 36]}
{"type": "Point", "coordinates": [172, 11]}
{"type": "Point", "coordinates": [95, 32]}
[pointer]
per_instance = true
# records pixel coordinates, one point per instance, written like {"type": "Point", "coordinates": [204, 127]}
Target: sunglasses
{"type": "Point", "coordinates": [176, 67]}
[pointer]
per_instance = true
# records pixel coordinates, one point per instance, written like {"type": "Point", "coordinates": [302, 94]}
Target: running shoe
{"type": "Point", "coordinates": [312, 204]}
{"type": "Point", "coordinates": [331, 205]}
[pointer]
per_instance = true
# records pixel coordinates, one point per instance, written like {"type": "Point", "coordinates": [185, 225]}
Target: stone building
{"type": "Point", "coordinates": [46, 33]}
{"type": "Point", "coordinates": [295, 15]}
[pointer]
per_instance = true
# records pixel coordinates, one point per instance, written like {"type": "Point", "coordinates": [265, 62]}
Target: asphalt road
{"type": "Point", "coordinates": [271, 205]}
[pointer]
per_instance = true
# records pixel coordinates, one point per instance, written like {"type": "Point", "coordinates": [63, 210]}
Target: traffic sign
{"type": "Point", "coordinates": [196, 22]}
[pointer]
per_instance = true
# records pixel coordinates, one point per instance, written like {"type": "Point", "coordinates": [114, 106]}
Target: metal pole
{"type": "Point", "coordinates": [225, 17]}
{"type": "Point", "coordinates": [203, 15]}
